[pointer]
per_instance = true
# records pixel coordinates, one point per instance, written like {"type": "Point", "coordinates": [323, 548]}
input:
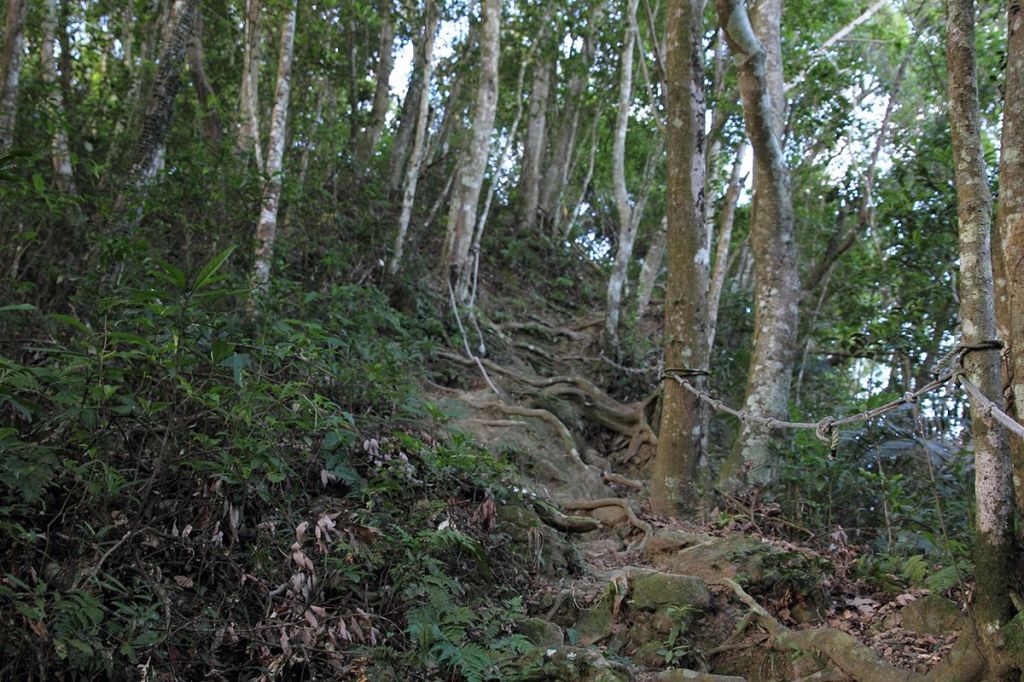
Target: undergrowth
{"type": "Point", "coordinates": [189, 491]}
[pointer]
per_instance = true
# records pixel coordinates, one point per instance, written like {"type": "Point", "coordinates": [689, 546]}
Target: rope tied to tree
{"type": "Point", "coordinates": [827, 428]}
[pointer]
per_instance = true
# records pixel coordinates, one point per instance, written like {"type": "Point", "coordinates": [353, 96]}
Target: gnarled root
{"type": "Point", "coordinates": [636, 521]}
{"type": "Point", "coordinates": [564, 522]}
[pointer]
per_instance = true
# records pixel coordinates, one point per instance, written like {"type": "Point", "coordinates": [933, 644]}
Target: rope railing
{"type": "Point", "coordinates": [827, 428]}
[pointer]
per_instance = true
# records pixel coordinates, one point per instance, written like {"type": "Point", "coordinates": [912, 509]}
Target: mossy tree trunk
{"type": "Point", "coordinates": [755, 43]}
{"type": "Point", "coordinates": [682, 438]}
{"type": "Point", "coordinates": [994, 545]}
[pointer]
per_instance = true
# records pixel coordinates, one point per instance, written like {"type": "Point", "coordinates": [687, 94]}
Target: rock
{"type": "Point", "coordinates": [671, 540]}
{"type": "Point", "coordinates": [651, 590]}
{"type": "Point", "coordinates": [610, 516]}
{"type": "Point", "coordinates": [542, 633]}
{"type": "Point", "coordinates": [570, 664]}
{"type": "Point", "coordinates": [932, 615]}
{"type": "Point", "coordinates": [597, 622]}
{"type": "Point", "coordinates": [720, 557]}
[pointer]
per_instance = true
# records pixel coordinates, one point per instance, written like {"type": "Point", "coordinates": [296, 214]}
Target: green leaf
{"type": "Point", "coordinates": [205, 275]}
{"type": "Point", "coordinates": [17, 307]}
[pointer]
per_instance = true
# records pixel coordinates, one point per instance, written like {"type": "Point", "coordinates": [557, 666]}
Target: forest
{"type": "Point", "coordinates": [650, 340]}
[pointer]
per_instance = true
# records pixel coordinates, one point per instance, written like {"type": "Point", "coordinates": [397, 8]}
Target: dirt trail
{"type": "Point", "coordinates": [658, 599]}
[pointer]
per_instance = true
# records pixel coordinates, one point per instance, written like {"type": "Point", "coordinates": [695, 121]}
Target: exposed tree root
{"type": "Point", "coordinates": [636, 521]}
{"type": "Point", "coordinates": [629, 420]}
{"type": "Point", "coordinates": [622, 480]}
{"type": "Point", "coordinates": [563, 430]}
{"type": "Point", "coordinates": [684, 675]}
{"type": "Point", "coordinates": [543, 329]}
{"type": "Point", "coordinates": [564, 522]}
{"type": "Point", "coordinates": [964, 664]}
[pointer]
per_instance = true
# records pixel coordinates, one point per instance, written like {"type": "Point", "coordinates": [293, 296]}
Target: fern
{"type": "Point", "coordinates": [471, 660]}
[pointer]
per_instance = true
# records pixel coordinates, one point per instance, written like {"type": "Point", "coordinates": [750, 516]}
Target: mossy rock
{"type": "Point", "coordinates": [543, 633]}
{"type": "Point", "coordinates": [556, 557]}
{"type": "Point", "coordinates": [651, 591]}
{"type": "Point", "coordinates": [569, 664]}
{"type": "Point", "coordinates": [932, 615]}
{"type": "Point", "coordinates": [597, 622]}
{"type": "Point", "coordinates": [720, 557]}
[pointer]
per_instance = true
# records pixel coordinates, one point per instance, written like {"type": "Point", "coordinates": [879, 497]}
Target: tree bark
{"type": "Point", "coordinates": [683, 433]}
{"type": "Point", "coordinates": [424, 58]}
{"type": "Point", "coordinates": [463, 212]}
{"type": "Point", "coordinates": [147, 155]}
{"type": "Point", "coordinates": [381, 91]}
{"type": "Point", "coordinates": [248, 98]}
{"type": "Point", "coordinates": [536, 130]}
{"type": "Point", "coordinates": [726, 220]}
{"type": "Point", "coordinates": [757, 50]}
{"type": "Point", "coordinates": [1008, 256]}
{"type": "Point", "coordinates": [993, 488]}
{"type": "Point", "coordinates": [266, 230]}
{"type": "Point", "coordinates": [10, 69]}
{"type": "Point", "coordinates": [60, 152]}
{"type": "Point", "coordinates": [650, 269]}
{"type": "Point", "coordinates": [627, 234]}
{"type": "Point", "coordinates": [556, 174]}
{"type": "Point", "coordinates": [408, 119]}
{"type": "Point", "coordinates": [212, 130]}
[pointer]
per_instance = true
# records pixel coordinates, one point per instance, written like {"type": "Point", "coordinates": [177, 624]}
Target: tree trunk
{"type": "Point", "coordinates": [627, 235]}
{"type": "Point", "coordinates": [557, 172]}
{"type": "Point", "coordinates": [725, 222]}
{"type": "Point", "coordinates": [10, 69]}
{"type": "Point", "coordinates": [61, 154]}
{"type": "Point", "coordinates": [992, 479]}
{"type": "Point", "coordinates": [248, 98]}
{"type": "Point", "coordinates": [424, 58]}
{"type": "Point", "coordinates": [1010, 228]}
{"type": "Point", "coordinates": [757, 50]}
{"type": "Point", "coordinates": [536, 128]}
{"type": "Point", "coordinates": [683, 433]}
{"type": "Point", "coordinates": [147, 156]}
{"type": "Point", "coordinates": [650, 269]}
{"type": "Point", "coordinates": [408, 120]}
{"type": "Point", "coordinates": [381, 92]}
{"type": "Point", "coordinates": [212, 130]}
{"type": "Point", "coordinates": [266, 230]}
{"type": "Point", "coordinates": [463, 212]}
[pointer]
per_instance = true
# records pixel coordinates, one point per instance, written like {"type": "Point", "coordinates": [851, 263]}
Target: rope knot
{"type": "Point", "coordinates": [910, 397]}
{"type": "Point", "coordinates": [825, 428]}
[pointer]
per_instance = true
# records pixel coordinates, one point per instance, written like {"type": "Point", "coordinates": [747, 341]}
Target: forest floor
{"type": "Point", "coordinates": [731, 596]}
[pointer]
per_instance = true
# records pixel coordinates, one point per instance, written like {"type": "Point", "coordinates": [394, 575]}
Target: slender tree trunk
{"type": "Point", "coordinates": [556, 174]}
{"type": "Point", "coordinates": [992, 478]}
{"type": "Point", "coordinates": [453, 111]}
{"type": "Point", "coordinates": [147, 156]}
{"type": "Point", "coordinates": [627, 235]}
{"type": "Point", "coordinates": [1007, 256]}
{"type": "Point", "coordinates": [266, 230]}
{"type": "Point", "coordinates": [10, 69]}
{"type": "Point", "coordinates": [536, 130]}
{"type": "Point", "coordinates": [248, 98]}
{"type": "Point", "coordinates": [212, 129]}
{"type": "Point", "coordinates": [650, 269]}
{"type": "Point", "coordinates": [499, 166]}
{"type": "Point", "coordinates": [463, 212]}
{"type": "Point", "coordinates": [381, 91]}
{"type": "Point", "coordinates": [726, 220]}
{"type": "Point", "coordinates": [61, 154]}
{"type": "Point", "coordinates": [584, 187]}
{"type": "Point", "coordinates": [353, 85]}
{"type": "Point", "coordinates": [425, 60]}
{"type": "Point", "coordinates": [757, 51]}
{"type": "Point", "coordinates": [536, 139]}
{"type": "Point", "coordinates": [408, 121]}
{"type": "Point", "coordinates": [683, 433]}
